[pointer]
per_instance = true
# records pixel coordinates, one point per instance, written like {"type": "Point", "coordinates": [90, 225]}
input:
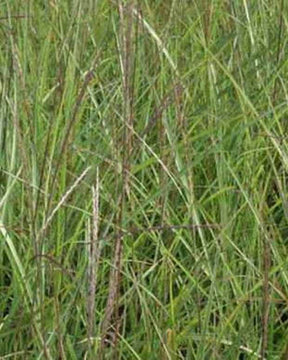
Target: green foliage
{"type": "Point", "coordinates": [187, 126]}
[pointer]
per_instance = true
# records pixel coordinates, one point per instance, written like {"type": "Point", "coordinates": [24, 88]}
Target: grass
{"type": "Point", "coordinates": [144, 157]}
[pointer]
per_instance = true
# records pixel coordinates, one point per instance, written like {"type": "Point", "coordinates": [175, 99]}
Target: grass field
{"type": "Point", "coordinates": [144, 157]}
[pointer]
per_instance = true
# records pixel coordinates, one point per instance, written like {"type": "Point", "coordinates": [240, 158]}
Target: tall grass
{"type": "Point", "coordinates": [144, 157]}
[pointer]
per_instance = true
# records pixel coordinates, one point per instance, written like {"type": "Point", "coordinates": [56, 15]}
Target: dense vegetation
{"type": "Point", "coordinates": [144, 157]}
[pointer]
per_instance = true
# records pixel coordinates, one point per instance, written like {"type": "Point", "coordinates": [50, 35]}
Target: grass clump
{"type": "Point", "coordinates": [143, 210]}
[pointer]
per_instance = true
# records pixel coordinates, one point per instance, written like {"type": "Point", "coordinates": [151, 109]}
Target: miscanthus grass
{"type": "Point", "coordinates": [144, 159]}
